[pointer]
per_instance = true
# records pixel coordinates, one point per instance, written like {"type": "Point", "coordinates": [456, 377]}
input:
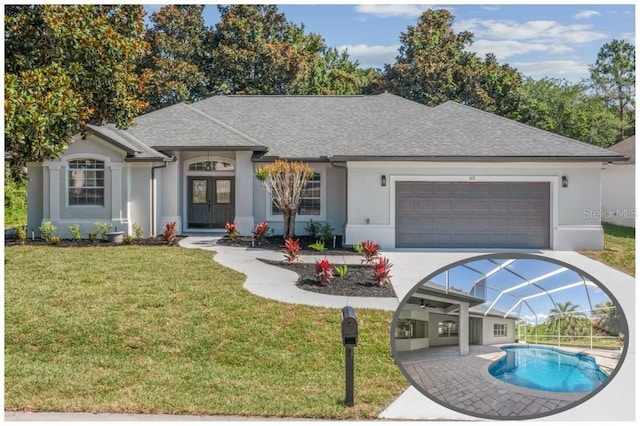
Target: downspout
{"type": "Point", "coordinates": [153, 193]}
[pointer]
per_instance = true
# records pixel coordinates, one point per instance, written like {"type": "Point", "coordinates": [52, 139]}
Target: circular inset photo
{"type": "Point", "coordinates": [509, 336]}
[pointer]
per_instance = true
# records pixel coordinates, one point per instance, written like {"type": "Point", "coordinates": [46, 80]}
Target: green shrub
{"type": "Point", "coordinates": [48, 231]}
{"type": "Point", "coordinates": [91, 235]}
{"type": "Point", "coordinates": [312, 228]}
{"type": "Point", "coordinates": [55, 240]}
{"type": "Point", "coordinates": [76, 235]}
{"type": "Point", "coordinates": [317, 246]}
{"type": "Point", "coordinates": [103, 229]}
{"type": "Point", "coordinates": [341, 271]}
{"type": "Point", "coordinates": [326, 232]}
{"type": "Point", "coordinates": [21, 233]}
{"type": "Point", "coordinates": [15, 202]}
{"type": "Point", "coordinates": [138, 231]}
{"type": "Point", "coordinates": [127, 239]}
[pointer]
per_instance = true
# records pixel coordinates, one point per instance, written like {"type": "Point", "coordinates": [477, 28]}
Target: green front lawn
{"type": "Point", "coordinates": [167, 330]}
{"type": "Point", "coordinates": [619, 249]}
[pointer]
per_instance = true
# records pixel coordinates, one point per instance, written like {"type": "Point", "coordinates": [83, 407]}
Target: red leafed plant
{"type": "Point", "coordinates": [324, 271]}
{"type": "Point", "coordinates": [232, 231]}
{"type": "Point", "coordinates": [291, 249]}
{"type": "Point", "coordinates": [260, 231]}
{"type": "Point", "coordinates": [369, 251]}
{"type": "Point", "coordinates": [381, 269]}
{"type": "Point", "coordinates": [169, 232]}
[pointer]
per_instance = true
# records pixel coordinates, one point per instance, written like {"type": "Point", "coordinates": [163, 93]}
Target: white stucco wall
{"type": "Point", "coordinates": [487, 327]}
{"type": "Point", "coordinates": [125, 191]}
{"type": "Point", "coordinates": [574, 221]}
{"type": "Point", "coordinates": [619, 194]}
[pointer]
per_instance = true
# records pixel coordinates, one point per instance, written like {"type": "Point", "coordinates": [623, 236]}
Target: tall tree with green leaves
{"type": "Point", "coordinates": [177, 57]}
{"type": "Point", "coordinates": [332, 72]}
{"type": "Point", "coordinates": [566, 109]}
{"type": "Point", "coordinates": [66, 66]}
{"type": "Point", "coordinates": [256, 50]}
{"type": "Point", "coordinates": [613, 76]}
{"type": "Point", "coordinates": [435, 65]}
{"type": "Point", "coordinates": [565, 319]}
{"type": "Point", "coordinates": [430, 60]}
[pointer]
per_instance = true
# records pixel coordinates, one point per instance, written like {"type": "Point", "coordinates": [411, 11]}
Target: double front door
{"type": "Point", "coordinates": [211, 201]}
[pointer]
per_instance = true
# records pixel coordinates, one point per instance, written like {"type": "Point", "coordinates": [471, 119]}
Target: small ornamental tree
{"type": "Point", "coordinates": [285, 182]}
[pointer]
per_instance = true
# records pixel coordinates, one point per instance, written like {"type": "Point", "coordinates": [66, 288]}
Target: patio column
{"type": "Point", "coordinates": [244, 192]}
{"type": "Point", "coordinates": [463, 329]}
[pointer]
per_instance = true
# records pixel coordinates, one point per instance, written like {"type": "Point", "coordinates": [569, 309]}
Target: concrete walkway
{"type": "Point", "coordinates": [276, 283]}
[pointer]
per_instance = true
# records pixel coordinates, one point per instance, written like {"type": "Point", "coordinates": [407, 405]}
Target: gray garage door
{"type": "Point", "coordinates": [472, 215]}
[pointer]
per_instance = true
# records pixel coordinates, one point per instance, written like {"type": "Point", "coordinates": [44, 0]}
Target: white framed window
{"type": "Point", "coordinates": [312, 204]}
{"type": "Point", "coordinates": [85, 179]}
{"type": "Point", "coordinates": [499, 330]}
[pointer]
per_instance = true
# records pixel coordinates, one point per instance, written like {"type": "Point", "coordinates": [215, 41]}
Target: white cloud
{"type": "Point", "coordinates": [530, 319]}
{"type": "Point", "coordinates": [490, 8]}
{"type": "Point", "coordinates": [535, 31]}
{"type": "Point", "coordinates": [629, 38]}
{"type": "Point", "coordinates": [504, 49]}
{"type": "Point", "coordinates": [570, 70]}
{"type": "Point", "coordinates": [372, 56]}
{"type": "Point", "coordinates": [392, 10]}
{"type": "Point", "coordinates": [586, 14]}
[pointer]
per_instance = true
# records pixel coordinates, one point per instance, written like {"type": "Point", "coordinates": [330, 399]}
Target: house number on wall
{"type": "Point", "coordinates": [472, 178]}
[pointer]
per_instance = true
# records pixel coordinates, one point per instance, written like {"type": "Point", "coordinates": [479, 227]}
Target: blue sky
{"type": "Point", "coordinates": [543, 40]}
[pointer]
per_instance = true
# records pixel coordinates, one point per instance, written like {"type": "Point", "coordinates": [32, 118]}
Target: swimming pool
{"type": "Point", "coordinates": [547, 369]}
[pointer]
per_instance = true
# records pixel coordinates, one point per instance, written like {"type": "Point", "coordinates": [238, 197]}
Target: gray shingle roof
{"type": "Point", "coordinates": [124, 140]}
{"type": "Point", "coordinates": [351, 127]}
{"type": "Point", "coordinates": [627, 148]}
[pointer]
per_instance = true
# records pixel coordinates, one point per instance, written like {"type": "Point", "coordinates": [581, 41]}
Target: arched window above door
{"type": "Point", "coordinates": [211, 166]}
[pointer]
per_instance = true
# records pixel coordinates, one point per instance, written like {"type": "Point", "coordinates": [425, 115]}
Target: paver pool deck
{"type": "Point", "coordinates": [458, 381]}
{"type": "Point", "coordinates": [464, 383]}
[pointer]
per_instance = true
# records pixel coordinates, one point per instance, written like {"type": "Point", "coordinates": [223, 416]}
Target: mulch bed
{"type": "Point", "coordinates": [274, 243]}
{"type": "Point", "coordinates": [158, 241]}
{"type": "Point", "coordinates": [357, 281]}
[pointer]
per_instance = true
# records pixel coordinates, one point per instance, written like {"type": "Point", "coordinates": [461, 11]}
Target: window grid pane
{"type": "Point", "coordinates": [311, 195]}
{"type": "Point", "coordinates": [86, 182]}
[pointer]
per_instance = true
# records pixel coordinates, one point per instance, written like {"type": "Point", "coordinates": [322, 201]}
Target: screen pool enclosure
{"type": "Point", "coordinates": [551, 303]}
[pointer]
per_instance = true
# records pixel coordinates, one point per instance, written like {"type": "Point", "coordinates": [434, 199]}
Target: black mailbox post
{"type": "Point", "coordinates": [349, 341]}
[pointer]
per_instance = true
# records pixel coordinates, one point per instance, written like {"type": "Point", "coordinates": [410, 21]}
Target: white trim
{"type": "Point", "coordinates": [553, 202]}
{"type": "Point", "coordinates": [321, 169]}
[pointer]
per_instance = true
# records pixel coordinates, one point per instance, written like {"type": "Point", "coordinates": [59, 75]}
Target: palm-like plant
{"type": "Point", "coordinates": [566, 318]}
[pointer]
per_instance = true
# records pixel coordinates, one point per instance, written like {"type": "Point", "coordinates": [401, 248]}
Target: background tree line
{"type": "Point", "coordinates": [66, 66]}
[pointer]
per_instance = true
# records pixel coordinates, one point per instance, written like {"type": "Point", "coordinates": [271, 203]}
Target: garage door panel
{"type": "Point", "coordinates": [478, 214]}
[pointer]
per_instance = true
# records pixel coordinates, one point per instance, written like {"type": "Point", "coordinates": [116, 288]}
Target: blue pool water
{"type": "Point", "coordinates": [547, 369]}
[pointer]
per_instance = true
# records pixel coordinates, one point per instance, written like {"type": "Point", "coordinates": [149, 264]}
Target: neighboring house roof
{"type": "Point", "coordinates": [383, 127]}
{"type": "Point", "coordinates": [627, 148]}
